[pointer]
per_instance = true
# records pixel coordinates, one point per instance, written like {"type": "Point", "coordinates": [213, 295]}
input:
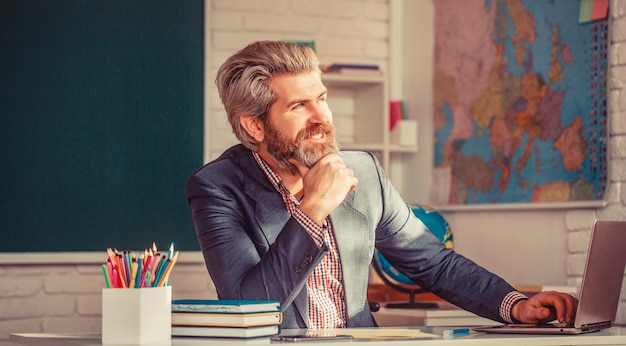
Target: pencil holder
{"type": "Point", "coordinates": [136, 316]}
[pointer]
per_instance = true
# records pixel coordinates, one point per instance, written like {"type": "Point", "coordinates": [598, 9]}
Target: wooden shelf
{"type": "Point", "coordinates": [360, 106]}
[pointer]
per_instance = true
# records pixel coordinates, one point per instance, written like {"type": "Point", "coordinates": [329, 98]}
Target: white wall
{"type": "Point", "coordinates": [52, 297]}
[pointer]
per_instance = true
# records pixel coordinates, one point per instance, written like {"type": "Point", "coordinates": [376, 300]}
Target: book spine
{"type": "Point", "coordinates": [234, 320]}
{"type": "Point", "coordinates": [219, 309]}
{"type": "Point", "coordinates": [205, 308]}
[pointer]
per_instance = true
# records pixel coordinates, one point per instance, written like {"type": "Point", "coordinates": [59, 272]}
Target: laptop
{"type": "Point", "coordinates": [599, 290]}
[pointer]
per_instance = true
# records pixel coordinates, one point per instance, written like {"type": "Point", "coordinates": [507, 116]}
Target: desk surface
{"type": "Point", "coordinates": [610, 336]}
{"type": "Point", "coordinates": [445, 315]}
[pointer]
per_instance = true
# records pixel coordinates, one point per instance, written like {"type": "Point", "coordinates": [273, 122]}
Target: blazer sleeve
{"type": "Point", "coordinates": [408, 245]}
{"type": "Point", "coordinates": [252, 248]}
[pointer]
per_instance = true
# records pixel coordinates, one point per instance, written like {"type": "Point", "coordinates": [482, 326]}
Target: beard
{"type": "Point", "coordinates": [282, 148]}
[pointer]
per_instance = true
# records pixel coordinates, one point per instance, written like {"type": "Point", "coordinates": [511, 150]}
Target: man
{"type": "Point", "coordinates": [286, 216]}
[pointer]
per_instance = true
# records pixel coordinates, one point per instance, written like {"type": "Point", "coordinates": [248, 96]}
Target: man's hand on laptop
{"type": "Point", "coordinates": [546, 306]}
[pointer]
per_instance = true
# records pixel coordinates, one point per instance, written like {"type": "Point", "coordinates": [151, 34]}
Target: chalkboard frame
{"type": "Point", "coordinates": [102, 107]}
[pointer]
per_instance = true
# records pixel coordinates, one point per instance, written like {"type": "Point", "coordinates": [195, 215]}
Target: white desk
{"type": "Point", "coordinates": [611, 336]}
{"type": "Point", "coordinates": [446, 315]}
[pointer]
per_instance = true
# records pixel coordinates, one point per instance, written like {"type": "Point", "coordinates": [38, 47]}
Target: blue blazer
{"type": "Point", "coordinates": [254, 249]}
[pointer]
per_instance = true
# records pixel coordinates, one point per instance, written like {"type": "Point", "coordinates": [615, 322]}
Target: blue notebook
{"type": "Point", "coordinates": [225, 306]}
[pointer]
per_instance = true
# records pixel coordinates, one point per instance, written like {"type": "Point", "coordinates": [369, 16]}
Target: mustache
{"type": "Point", "coordinates": [325, 128]}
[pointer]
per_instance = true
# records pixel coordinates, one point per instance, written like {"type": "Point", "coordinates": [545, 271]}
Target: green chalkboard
{"type": "Point", "coordinates": [102, 116]}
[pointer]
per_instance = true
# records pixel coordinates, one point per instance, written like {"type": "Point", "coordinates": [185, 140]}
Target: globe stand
{"type": "Point", "coordinates": [412, 291]}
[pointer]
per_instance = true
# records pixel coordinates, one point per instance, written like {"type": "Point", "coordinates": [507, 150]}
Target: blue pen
{"type": "Point", "coordinates": [451, 333]}
{"type": "Point", "coordinates": [139, 269]}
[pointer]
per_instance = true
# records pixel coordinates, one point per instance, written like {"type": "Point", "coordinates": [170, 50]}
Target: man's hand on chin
{"type": "Point", "coordinates": [325, 185]}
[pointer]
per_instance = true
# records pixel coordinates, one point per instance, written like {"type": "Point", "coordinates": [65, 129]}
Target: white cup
{"type": "Point", "coordinates": [136, 315]}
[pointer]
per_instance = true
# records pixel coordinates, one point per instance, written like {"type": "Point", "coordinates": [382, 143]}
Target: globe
{"type": "Point", "coordinates": [439, 227]}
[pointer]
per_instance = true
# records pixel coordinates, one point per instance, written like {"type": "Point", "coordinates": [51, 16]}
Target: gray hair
{"type": "Point", "coordinates": [243, 80]}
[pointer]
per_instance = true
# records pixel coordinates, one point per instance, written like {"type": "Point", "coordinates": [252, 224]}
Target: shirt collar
{"type": "Point", "coordinates": [274, 178]}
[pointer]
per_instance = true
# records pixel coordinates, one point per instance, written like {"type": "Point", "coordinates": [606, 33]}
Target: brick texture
{"type": "Point", "coordinates": [67, 298]}
{"type": "Point", "coordinates": [577, 221]}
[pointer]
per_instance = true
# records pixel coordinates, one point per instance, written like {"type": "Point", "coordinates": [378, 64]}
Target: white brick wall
{"type": "Point", "coordinates": [617, 125]}
{"type": "Point", "coordinates": [62, 298]}
{"type": "Point", "coordinates": [579, 222]}
{"type": "Point", "coordinates": [67, 298]}
{"type": "Point", "coordinates": [344, 31]}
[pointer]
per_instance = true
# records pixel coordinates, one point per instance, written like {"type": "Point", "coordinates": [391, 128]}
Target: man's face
{"type": "Point", "coordinates": [299, 124]}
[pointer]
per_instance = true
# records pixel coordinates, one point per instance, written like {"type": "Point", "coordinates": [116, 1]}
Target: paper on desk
{"type": "Point", "coordinates": [377, 333]}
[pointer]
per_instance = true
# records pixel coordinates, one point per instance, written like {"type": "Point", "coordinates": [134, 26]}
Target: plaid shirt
{"type": "Point", "coordinates": [327, 307]}
{"type": "Point", "coordinates": [507, 305]}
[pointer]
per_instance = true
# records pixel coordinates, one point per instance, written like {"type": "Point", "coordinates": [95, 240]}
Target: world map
{"type": "Point", "coordinates": [519, 101]}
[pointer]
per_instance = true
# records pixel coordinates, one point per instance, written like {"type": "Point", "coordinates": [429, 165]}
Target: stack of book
{"type": "Point", "coordinates": [226, 318]}
{"type": "Point", "coordinates": [358, 69]}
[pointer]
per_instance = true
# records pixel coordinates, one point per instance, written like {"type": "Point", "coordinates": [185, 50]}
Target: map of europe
{"type": "Point", "coordinates": [519, 101]}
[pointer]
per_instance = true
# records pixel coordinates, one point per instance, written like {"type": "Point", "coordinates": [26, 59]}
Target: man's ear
{"type": "Point", "coordinates": [253, 126]}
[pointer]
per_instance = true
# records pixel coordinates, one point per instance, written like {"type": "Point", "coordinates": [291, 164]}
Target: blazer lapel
{"type": "Point", "coordinates": [269, 206]}
{"type": "Point", "coordinates": [355, 246]}
{"type": "Point", "coordinates": [271, 215]}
